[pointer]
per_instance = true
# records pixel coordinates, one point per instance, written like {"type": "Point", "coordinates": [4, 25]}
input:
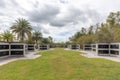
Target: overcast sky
{"type": "Point", "coordinates": [57, 18]}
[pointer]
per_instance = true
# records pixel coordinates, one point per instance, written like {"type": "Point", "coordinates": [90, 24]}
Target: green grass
{"type": "Point", "coordinates": [60, 64]}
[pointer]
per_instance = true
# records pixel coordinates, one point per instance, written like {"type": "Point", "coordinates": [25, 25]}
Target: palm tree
{"type": "Point", "coordinates": [50, 39]}
{"type": "Point", "coordinates": [22, 28]}
{"type": "Point", "coordinates": [1, 38]}
{"type": "Point", "coordinates": [37, 36]}
{"type": "Point", "coordinates": [7, 36]}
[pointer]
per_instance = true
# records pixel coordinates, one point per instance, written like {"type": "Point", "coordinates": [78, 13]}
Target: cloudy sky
{"type": "Point", "coordinates": [57, 18]}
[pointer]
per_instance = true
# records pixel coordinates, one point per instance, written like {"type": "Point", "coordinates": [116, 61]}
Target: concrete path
{"type": "Point", "coordinates": [29, 55]}
{"type": "Point", "coordinates": [91, 54]}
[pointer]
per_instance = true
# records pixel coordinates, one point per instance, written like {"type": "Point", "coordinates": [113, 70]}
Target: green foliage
{"type": "Point", "coordinates": [47, 40]}
{"type": "Point", "coordinates": [7, 36]}
{"type": "Point", "coordinates": [113, 19]}
{"type": "Point", "coordinates": [1, 38]}
{"type": "Point", "coordinates": [50, 39]}
{"type": "Point", "coordinates": [86, 39]}
{"type": "Point", "coordinates": [37, 36]}
{"type": "Point", "coordinates": [117, 34]}
{"type": "Point", "coordinates": [75, 37]}
{"type": "Point", "coordinates": [104, 33]}
{"type": "Point", "coordinates": [90, 30]}
{"type": "Point", "coordinates": [22, 29]}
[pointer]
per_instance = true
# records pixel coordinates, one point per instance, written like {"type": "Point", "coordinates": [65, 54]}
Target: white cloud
{"type": "Point", "coordinates": [57, 18]}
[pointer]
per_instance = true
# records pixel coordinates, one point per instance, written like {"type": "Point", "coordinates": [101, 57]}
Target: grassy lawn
{"type": "Point", "coordinates": [60, 64]}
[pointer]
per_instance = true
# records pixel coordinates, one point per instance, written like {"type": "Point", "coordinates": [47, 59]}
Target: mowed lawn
{"type": "Point", "coordinates": [60, 64]}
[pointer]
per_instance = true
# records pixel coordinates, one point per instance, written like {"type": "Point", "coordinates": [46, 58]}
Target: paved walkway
{"type": "Point", "coordinates": [29, 55]}
{"type": "Point", "coordinates": [91, 54]}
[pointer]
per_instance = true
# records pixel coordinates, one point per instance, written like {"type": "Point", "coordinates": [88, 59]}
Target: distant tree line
{"type": "Point", "coordinates": [22, 31]}
{"type": "Point", "coordinates": [100, 33]}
